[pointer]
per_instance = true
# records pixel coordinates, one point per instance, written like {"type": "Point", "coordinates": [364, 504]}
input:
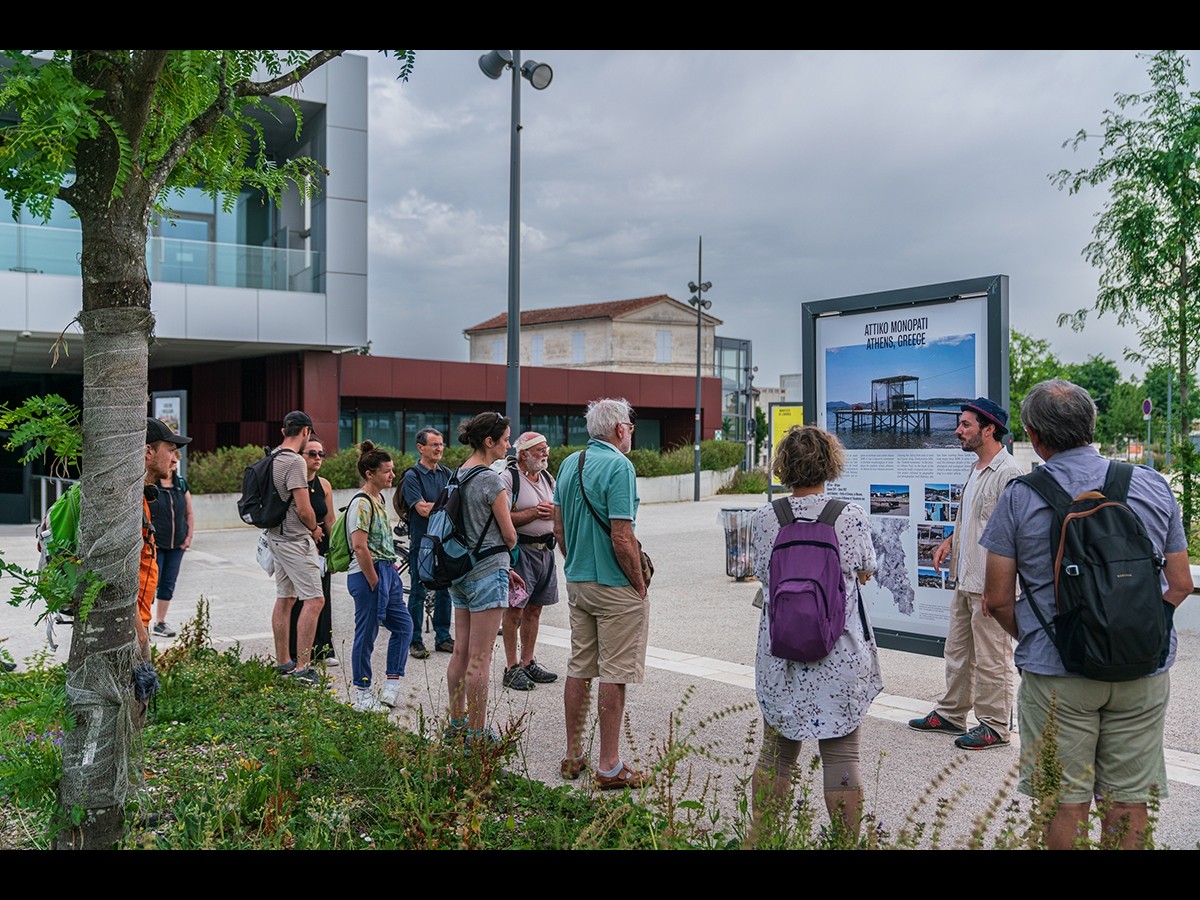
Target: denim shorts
{"type": "Point", "coordinates": [481, 594]}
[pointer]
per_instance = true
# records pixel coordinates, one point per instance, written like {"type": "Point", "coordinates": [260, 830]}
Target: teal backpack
{"type": "Point", "coordinates": [338, 557]}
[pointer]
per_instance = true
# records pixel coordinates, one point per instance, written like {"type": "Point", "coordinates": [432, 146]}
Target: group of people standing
{"type": "Point", "coordinates": [1109, 733]}
{"type": "Point", "coordinates": [518, 515]}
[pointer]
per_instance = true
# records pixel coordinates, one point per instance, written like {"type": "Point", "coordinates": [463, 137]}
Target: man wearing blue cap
{"type": "Point", "coordinates": [978, 652]}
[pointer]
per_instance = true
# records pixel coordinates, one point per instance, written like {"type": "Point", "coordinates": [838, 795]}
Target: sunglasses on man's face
{"type": "Point", "coordinates": [315, 453]}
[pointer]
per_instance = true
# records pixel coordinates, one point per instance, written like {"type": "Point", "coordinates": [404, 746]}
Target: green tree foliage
{"type": "Point", "coordinates": [1145, 238]}
{"type": "Point", "coordinates": [1029, 361]}
{"type": "Point", "coordinates": [1099, 377]}
{"type": "Point", "coordinates": [113, 134]}
{"type": "Point", "coordinates": [1124, 415]}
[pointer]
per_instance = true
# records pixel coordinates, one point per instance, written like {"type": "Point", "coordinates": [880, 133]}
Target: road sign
{"type": "Point", "coordinates": [1147, 406]}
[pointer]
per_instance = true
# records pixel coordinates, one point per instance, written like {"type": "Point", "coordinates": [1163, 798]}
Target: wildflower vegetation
{"type": "Point", "coordinates": [238, 758]}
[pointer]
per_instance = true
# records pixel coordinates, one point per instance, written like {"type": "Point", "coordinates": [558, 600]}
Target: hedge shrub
{"type": "Point", "coordinates": [221, 470]}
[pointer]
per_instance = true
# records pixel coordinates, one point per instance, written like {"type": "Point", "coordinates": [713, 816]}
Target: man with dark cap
{"type": "Point", "coordinates": [978, 652]}
{"type": "Point", "coordinates": [294, 547]}
{"type": "Point", "coordinates": [162, 454]}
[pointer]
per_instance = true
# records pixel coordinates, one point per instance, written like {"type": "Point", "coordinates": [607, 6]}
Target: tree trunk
{"type": "Point", "coordinates": [101, 756]}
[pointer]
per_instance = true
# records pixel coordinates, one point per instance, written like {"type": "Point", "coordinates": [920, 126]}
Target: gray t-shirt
{"type": "Point", "coordinates": [478, 495]}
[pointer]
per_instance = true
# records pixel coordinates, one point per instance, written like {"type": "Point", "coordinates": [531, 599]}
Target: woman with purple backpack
{"type": "Point", "coordinates": [827, 697]}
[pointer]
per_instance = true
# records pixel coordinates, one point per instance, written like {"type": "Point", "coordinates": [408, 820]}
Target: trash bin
{"type": "Point", "coordinates": [738, 561]}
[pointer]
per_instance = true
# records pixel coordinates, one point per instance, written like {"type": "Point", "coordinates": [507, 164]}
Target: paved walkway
{"type": "Point", "coordinates": [700, 674]}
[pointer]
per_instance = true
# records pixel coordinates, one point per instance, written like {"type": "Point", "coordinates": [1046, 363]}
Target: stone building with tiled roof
{"type": "Point", "coordinates": [648, 335]}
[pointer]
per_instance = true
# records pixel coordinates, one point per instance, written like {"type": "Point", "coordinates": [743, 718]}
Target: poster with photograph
{"type": "Point", "coordinates": [890, 384]}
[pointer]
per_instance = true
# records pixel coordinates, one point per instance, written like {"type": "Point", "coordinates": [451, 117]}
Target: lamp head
{"type": "Point", "coordinates": [494, 63]}
{"type": "Point", "coordinates": [537, 74]}
{"type": "Point", "coordinates": [692, 287]}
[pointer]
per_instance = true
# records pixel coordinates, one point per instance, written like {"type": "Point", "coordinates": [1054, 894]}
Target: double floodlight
{"type": "Point", "coordinates": [537, 74]}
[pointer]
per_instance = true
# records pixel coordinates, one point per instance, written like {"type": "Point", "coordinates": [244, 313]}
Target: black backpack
{"type": "Point", "coordinates": [260, 504]}
{"type": "Point", "coordinates": [1111, 623]}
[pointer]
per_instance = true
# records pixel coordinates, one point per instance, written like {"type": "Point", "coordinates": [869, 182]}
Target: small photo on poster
{"type": "Point", "coordinates": [933, 578]}
{"type": "Point", "coordinates": [889, 499]}
{"type": "Point", "coordinates": [928, 538]}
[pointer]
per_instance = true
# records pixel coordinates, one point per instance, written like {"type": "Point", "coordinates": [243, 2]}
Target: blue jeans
{"type": "Point", "coordinates": [416, 606]}
{"type": "Point", "coordinates": [168, 571]}
{"type": "Point", "coordinates": [372, 608]}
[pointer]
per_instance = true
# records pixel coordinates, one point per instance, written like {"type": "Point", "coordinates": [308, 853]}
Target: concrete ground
{"type": "Point", "coordinates": [699, 672]}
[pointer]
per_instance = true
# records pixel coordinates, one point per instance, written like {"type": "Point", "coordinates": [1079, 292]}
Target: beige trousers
{"type": "Point", "coordinates": [979, 667]}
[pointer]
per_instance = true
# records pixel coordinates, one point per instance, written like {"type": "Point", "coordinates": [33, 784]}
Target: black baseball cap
{"type": "Point", "coordinates": [158, 430]}
{"type": "Point", "coordinates": [297, 417]}
{"type": "Point", "coordinates": [991, 413]}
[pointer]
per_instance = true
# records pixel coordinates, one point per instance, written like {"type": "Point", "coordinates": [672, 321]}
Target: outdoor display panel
{"type": "Point", "coordinates": [889, 372]}
{"type": "Point", "coordinates": [783, 417]}
{"type": "Point", "coordinates": [171, 407]}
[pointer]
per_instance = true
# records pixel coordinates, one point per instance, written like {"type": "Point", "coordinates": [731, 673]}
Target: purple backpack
{"type": "Point", "coordinates": [806, 613]}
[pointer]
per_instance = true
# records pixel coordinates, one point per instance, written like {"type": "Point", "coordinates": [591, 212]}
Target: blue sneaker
{"type": "Point", "coordinates": [981, 737]}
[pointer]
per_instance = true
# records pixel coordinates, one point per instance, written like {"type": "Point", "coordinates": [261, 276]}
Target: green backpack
{"type": "Point", "coordinates": [338, 557]}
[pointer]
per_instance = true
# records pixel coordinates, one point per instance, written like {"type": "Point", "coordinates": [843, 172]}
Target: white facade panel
{"type": "Point", "coordinates": [54, 300]}
{"type": "Point", "coordinates": [347, 164]}
{"type": "Point", "coordinates": [12, 300]}
{"type": "Point", "coordinates": [346, 98]}
{"type": "Point", "coordinates": [168, 302]}
{"type": "Point", "coordinates": [290, 317]}
{"type": "Point", "coordinates": [346, 322]}
{"type": "Point", "coordinates": [222, 314]}
{"type": "Point", "coordinates": [345, 239]}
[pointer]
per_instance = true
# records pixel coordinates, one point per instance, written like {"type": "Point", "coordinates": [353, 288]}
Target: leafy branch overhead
{"type": "Point", "coordinates": [178, 118]}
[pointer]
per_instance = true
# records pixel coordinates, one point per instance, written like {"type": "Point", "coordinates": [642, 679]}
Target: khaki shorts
{"type": "Point", "coordinates": [1110, 735]}
{"type": "Point", "coordinates": [609, 628]}
{"type": "Point", "coordinates": [297, 569]}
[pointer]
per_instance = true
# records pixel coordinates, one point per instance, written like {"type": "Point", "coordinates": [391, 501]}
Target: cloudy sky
{"type": "Point", "coordinates": [810, 175]}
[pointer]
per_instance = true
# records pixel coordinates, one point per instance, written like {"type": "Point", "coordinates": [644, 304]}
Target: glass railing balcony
{"type": "Point", "coordinates": [55, 251]}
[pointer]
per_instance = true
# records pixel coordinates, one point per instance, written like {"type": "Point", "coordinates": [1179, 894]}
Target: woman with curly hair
{"type": "Point", "coordinates": [826, 700]}
{"type": "Point", "coordinates": [481, 597]}
{"type": "Point", "coordinates": [374, 583]}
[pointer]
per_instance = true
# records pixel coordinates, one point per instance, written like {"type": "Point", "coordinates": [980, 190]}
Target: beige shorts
{"type": "Point", "coordinates": [1110, 735]}
{"type": "Point", "coordinates": [297, 569]}
{"type": "Point", "coordinates": [609, 629]}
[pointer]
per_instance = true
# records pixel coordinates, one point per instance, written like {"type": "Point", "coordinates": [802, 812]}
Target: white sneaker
{"type": "Point", "coordinates": [366, 701]}
{"type": "Point", "coordinates": [391, 692]}
{"type": "Point", "coordinates": [331, 662]}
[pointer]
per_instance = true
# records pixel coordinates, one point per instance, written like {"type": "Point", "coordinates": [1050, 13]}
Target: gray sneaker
{"type": "Point", "coordinates": [310, 677]}
{"type": "Point", "coordinates": [286, 668]}
{"type": "Point", "coordinates": [516, 679]}
{"type": "Point", "coordinates": [539, 674]}
{"type": "Point", "coordinates": [163, 630]}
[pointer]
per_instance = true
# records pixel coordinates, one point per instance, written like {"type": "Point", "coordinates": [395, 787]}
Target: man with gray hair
{"type": "Point", "coordinates": [532, 488]}
{"type": "Point", "coordinates": [595, 504]}
{"type": "Point", "coordinates": [1110, 733]}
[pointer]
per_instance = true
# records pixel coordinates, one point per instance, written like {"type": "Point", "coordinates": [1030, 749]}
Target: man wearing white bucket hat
{"type": "Point", "coordinates": [532, 488]}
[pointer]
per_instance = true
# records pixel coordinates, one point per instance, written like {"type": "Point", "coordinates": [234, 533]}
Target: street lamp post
{"type": "Point", "coordinates": [539, 75]}
{"type": "Point", "coordinates": [751, 421]}
{"type": "Point", "coordinates": [698, 287]}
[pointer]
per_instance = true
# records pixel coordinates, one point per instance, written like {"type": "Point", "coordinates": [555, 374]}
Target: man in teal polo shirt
{"type": "Point", "coordinates": [595, 504]}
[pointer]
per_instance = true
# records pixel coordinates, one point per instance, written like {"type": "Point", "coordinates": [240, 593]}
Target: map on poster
{"type": "Point", "coordinates": [889, 384]}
